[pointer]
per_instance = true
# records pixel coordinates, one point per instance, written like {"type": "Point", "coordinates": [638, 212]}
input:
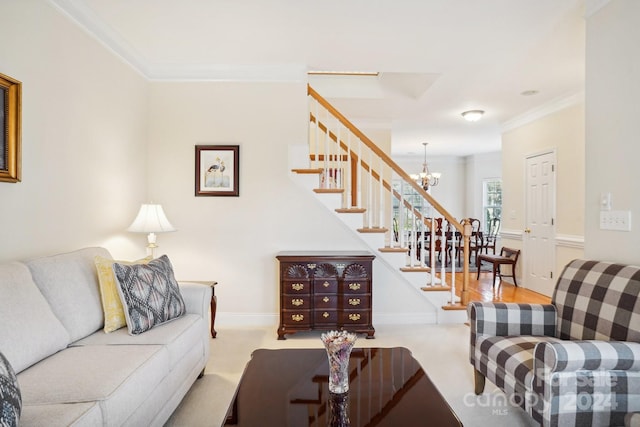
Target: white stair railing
{"type": "Point", "coordinates": [352, 164]}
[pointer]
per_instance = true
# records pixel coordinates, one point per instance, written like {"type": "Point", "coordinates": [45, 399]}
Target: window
{"type": "Point", "coordinates": [415, 199]}
{"type": "Point", "coordinates": [491, 200]}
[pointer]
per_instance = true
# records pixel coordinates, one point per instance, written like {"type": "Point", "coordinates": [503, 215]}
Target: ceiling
{"type": "Point", "coordinates": [435, 58]}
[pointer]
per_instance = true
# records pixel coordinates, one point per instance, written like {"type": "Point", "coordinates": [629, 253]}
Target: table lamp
{"type": "Point", "coordinates": [151, 219]}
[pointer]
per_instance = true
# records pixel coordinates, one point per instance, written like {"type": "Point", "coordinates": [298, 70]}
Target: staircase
{"type": "Point", "coordinates": [366, 189]}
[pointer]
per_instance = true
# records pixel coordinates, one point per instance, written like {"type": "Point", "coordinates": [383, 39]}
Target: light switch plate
{"type": "Point", "coordinates": [615, 220]}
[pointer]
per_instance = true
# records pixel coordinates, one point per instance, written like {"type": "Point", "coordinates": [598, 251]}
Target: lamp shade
{"type": "Point", "coordinates": [151, 219]}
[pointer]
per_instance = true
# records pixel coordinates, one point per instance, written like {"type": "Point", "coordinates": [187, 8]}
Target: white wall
{"type": "Point", "coordinates": [99, 140]}
{"type": "Point", "coordinates": [612, 133]}
{"type": "Point", "coordinates": [234, 240]}
{"type": "Point", "coordinates": [562, 131]}
{"type": "Point", "coordinates": [84, 132]}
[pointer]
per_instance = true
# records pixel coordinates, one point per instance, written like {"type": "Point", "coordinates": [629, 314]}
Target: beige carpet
{"type": "Point", "coordinates": [442, 350]}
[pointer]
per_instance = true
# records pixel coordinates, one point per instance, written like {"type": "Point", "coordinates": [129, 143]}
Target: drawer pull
{"type": "Point", "coordinates": [297, 286]}
{"type": "Point", "coordinates": [297, 302]}
{"type": "Point", "coordinates": [326, 284]}
{"type": "Point", "coordinates": [354, 301]}
{"type": "Point", "coordinates": [325, 314]}
{"type": "Point", "coordinates": [354, 317]}
{"type": "Point", "coordinates": [311, 266]}
{"type": "Point", "coordinates": [297, 317]}
{"type": "Point", "coordinates": [354, 286]}
{"type": "Point", "coordinates": [325, 299]}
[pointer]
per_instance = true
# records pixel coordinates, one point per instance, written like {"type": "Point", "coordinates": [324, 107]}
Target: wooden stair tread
{"type": "Point", "coordinates": [373, 230]}
{"type": "Point", "coordinates": [393, 249]}
{"type": "Point", "coordinates": [456, 306]}
{"type": "Point", "coordinates": [351, 210]}
{"type": "Point", "coordinates": [328, 190]}
{"type": "Point", "coordinates": [307, 171]}
{"type": "Point", "coordinates": [415, 269]}
{"type": "Point", "coordinates": [436, 288]}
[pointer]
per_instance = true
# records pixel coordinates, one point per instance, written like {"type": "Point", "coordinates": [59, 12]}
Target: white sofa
{"type": "Point", "coordinates": [72, 373]}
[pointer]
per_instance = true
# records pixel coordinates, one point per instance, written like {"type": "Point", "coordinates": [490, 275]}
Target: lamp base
{"type": "Point", "coordinates": [151, 239]}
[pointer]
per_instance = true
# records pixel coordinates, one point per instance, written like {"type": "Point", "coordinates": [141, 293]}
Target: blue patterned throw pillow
{"type": "Point", "coordinates": [150, 294]}
{"type": "Point", "coordinates": [10, 397]}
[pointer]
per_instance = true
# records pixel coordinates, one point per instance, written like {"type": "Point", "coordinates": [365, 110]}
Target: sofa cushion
{"type": "Point", "coordinates": [62, 415]}
{"type": "Point", "coordinates": [118, 377]}
{"type": "Point", "coordinates": [69, 282]}
{"type": "Point", "coordinates": [179, 336]}
{"type": "Point", "coordinates": [10, 398]}
{"type": "Point", "coordinates": [150, 294]}
{"type": "Point", "coordinates": [114, 317]}
{"type": "Point", "coordinates": [29, 330]}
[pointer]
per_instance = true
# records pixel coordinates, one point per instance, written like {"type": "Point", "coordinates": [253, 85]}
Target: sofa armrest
{"type": "Point", "coordinates": [197, 297]}
{"type": "Point", "coordinates": [511, 319]}
{"type": "Point", "coordinates": [570, 356]}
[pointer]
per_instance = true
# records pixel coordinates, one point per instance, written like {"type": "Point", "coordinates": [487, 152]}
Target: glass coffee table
{"type": "Point", "coordinates": [289, 387]}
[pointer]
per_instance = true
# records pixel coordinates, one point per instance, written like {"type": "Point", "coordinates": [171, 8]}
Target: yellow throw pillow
{"type": "Point", "coordinates": [114, 317]}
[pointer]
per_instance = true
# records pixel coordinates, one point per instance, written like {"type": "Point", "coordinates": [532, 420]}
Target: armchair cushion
{"type": "Point", "coordinates": [508, 362]}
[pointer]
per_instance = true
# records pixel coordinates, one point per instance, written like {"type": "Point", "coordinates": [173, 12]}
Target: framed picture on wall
{"type": "Point", "coordinates": [10, 122]}
{"type": "Point", "coordinates": [217, 170]}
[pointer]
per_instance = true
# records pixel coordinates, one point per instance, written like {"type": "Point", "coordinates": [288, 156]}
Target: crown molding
{"type": "Point", "coordinates": [542, 111]}
{"type": "Point", "coordinates": [229, 73]}
{"type": "Point", "coordinates": [88, 21]}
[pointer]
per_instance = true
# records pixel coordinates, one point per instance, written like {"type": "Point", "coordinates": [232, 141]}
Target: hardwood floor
{"type": "Point", "coordinates": [482, 290]}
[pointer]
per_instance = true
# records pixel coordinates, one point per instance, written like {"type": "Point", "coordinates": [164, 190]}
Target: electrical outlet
{"type": "Point", "coordinates": [615, 220]}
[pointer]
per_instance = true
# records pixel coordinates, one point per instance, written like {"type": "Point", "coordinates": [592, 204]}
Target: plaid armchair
{"type": "Point", "coordinates": [574, 362]}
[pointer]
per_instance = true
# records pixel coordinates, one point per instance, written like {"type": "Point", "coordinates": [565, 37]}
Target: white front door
{"type": "Point", "coordinates": [539, 232]}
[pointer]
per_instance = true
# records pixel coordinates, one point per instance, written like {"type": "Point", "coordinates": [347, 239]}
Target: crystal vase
{"type": "Point", "coordinates": [338, 346]}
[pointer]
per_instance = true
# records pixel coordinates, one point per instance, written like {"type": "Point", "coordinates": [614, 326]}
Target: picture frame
{"type": "Point", "coordinates": [217, 170]}
{"type": "Point", "coordinates": [11, 124]}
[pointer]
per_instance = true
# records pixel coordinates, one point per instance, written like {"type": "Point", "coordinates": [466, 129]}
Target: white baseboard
{"type": "Point", "coordinates": [247, 319]}
{"type": "Point", "coordinates": [404, 318]}
{"type": "Point", "coordinates": [268, 319]}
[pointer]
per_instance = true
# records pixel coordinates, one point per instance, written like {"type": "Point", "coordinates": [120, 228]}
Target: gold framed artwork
{"type": "Point", "coordinates": [10, 121]}
{"type": "Point", "coordinates": [217, 170]}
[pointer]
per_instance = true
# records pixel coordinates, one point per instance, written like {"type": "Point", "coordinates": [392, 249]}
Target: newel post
{"type": "Point", "coordinates": [466, 234]}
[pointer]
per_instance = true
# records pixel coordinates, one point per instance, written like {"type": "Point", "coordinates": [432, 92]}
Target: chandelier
{"type": "Point", "coordinates": [426, 179]}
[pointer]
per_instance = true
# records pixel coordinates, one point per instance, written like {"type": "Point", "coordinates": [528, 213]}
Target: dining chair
{"type": "Point", "coordinates": [475, 240]}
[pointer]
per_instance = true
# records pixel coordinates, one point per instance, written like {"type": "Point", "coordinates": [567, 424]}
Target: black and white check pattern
{"type": "Point", "coordinates": [574, 362]}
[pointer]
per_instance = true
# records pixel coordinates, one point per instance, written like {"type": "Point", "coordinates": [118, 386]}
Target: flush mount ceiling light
{"type": "Point", "coordinates": [472, 115]}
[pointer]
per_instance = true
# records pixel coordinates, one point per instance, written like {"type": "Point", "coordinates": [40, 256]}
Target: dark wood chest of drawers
{"type": "Point", "coordinates": [325, 291]}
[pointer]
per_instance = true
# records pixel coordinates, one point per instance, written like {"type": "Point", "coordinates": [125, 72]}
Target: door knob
{"type": "Point", "coordinates": [527, 230]}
